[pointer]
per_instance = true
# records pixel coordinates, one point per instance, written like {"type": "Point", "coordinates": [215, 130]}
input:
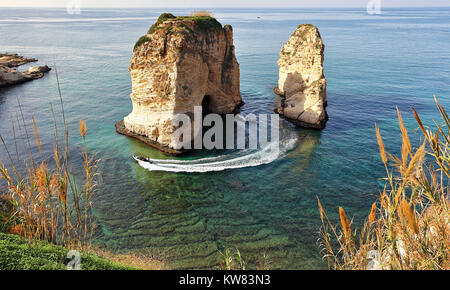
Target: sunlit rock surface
{"type": "Point", "coordinates": [301, 82]}
{"type": "Point", "coordinates": [10, 76]}
{"type": "Point", "coordinates": [180, 63]}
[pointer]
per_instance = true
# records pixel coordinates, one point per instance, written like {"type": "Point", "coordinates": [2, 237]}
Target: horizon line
{"type": "Point", "coordinates": [222, 7]}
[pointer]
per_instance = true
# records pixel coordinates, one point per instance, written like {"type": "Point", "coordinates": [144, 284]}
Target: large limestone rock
{"type": "Point", "coordinates": [10, 76]}
{"type": "Point", "coordinates": [180, 63]}
{"type": "Point", "coordinates": [302, 83]}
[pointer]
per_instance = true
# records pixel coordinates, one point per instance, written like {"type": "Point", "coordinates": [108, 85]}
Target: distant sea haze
{"type": "Point", "coordinates": [373, 63]}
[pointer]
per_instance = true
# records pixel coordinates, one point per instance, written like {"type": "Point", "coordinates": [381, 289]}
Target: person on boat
{"type": "Point", "coordinates": [139, 158]}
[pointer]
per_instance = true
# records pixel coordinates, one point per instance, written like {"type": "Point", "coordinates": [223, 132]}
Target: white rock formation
{"type": "Point", "coordinates": [302, 83]}
{"type": "Point", "coordinates": [180, 63]}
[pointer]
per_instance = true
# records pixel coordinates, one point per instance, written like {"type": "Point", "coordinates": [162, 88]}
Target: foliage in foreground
{"type": "Point", "coordinates": [233, 260]}
{"type": "Point", "coordinates": [200, 13]}
{"type": "Point", "coordinates": [50, 203]}
{"type": "Point", "coordinates": [409, 226]}
{"type": "Point", "coordinates": [49, 207]}
{"type": "Point", "coordinates": [17, 254]}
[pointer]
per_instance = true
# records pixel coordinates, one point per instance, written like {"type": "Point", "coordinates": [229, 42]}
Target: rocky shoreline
{"type": "Point", "coordinates": [10, 76]}
{"type": "Point", "coordinates": [121, 129]}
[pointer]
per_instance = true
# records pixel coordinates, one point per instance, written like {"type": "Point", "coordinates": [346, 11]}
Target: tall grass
{"type": "Point", "coordinates": [49, 202]}
{"type": "Point", "coordinates": [409, 225]}
{"type": "Point", "coordinates": [199, 13]}
{"type": "Point", "coordinates": [231, 259]}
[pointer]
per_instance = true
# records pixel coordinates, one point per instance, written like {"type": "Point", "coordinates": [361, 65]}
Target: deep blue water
{"type": "Point", "coordinates": [372, 64]}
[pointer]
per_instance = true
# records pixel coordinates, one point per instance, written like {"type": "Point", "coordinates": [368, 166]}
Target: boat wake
{"type": "Point", "coordinates": [237, 159]}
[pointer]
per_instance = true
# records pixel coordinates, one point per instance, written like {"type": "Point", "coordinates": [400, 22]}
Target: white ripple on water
{"type": "Point", "coordinates": [235, 160]}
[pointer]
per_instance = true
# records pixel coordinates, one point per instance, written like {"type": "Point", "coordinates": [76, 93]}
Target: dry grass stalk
{"type": "Point", "coordinates": [345, 223]}
{"type": "Point", "coordinates": [201, 13]}
{"type": "Point", "coordinates": [144, 260]}
{"type": "Point", "coordinates": [402, 234]}
{"type": "Point", "coordinates": [49, 202]}
{"type": "Point", "coordinates": [373, 212]}
{"type": "Point", "coordinates": [83, 128]}
{"type": "Point", "coordinates": [381, 145]}
{"type": "Point", "coordinates": [36, 134]}
{"type": "Point", "coordinates": [409, 215]}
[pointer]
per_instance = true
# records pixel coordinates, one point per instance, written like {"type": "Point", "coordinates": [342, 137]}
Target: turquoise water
{"type": "Point", "coordinates": [373, 63]}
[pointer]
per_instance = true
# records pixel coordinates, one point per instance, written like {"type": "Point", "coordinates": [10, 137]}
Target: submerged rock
{"type": "Point", "coordinates": [302, 84]}
{"type": "Point", "coordinates": [10, 76]}
{"type": "Point", "coordinates": [180, 63]}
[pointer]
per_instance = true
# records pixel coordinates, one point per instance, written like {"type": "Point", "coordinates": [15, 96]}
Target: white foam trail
{"type": "Point", "coordinates": [230, 161]}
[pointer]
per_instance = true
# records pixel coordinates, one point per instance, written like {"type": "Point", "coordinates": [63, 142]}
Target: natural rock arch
{"type": "Point", "coordinates": [179, 62]}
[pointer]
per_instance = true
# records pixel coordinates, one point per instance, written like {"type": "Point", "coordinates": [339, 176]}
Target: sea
{"type": "Point", "coordinates": [263, 205]}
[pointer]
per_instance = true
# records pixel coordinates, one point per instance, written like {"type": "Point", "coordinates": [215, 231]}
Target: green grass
{"type": "Point", "coordinates": [141, 40]}
{"type": "Point", "coordinates": [163, 17]}
{"type": "Point", "coordinates": [204, 23]}
{"type": "Point", "coordinates": [16, 254]}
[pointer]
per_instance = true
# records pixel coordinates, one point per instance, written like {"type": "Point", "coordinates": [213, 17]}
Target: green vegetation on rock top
{"type": "Point", "coordinates": [141, 40]}
{"type": "Point", "coordinates": [203, 23]}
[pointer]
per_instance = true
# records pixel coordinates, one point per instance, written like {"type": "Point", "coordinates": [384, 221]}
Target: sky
{"type": "Point", "coordinates": [221, 3]}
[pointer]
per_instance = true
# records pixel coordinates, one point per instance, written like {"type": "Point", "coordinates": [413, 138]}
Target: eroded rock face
{"type": "Point", "coordinates": [10, 76]}
{"type": "Point", "coordinates": [180, 63]}
{"type": "Point", "coordinates": [301, 82]}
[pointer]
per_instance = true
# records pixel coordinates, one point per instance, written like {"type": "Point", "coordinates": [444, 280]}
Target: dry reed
{"type": "Point", "coordinates": [50, 202]}
{"type": "Point", "coordinates": [410, 227]}
{"type": "Point", "coordinates": [201, 13]}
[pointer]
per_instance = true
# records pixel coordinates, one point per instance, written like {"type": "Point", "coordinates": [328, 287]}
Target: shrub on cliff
{"type": "Point", "coordinates": [409, 226]}
{"type": "Point", "coordinates": [163, 17]}
{"type": "Point", "coordinates": [49, 202]}
{"type": "Point", "coordinates": [143, 39]}
{"type": "Point", "coordinates": [203, 21]}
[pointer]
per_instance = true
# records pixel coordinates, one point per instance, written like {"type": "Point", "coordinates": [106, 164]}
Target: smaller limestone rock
{"type": "Point", "coordinates": [302, 84]}
{"type": "Point", "coordinates": [10, 76]}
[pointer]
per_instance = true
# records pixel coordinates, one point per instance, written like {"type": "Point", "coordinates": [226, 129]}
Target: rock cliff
{"type": "Point", "coordinates": [180, 63]}
{"type": "Point", "coordinates": [10, 76]}
{"type": "Point", "coordinates": [301, 83]}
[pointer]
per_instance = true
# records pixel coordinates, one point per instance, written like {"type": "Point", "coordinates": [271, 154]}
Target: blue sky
{"type": "Point", "coordinates": [221, 3]}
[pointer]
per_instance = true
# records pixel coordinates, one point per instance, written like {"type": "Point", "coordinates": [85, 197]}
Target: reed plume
{"type": "Point", "coordinates": [83, 128]}
{"type": "Point", "coordinates": [409, 215]}
{"type": "Point", "coordinates": [381, 145]}
{"type": "Point", "coordinates": [36, 134]}
{"type": "Point", "coordinates": [411, 230]}
{"type": "Point", "coordinates": [201, 13]}
{"type": "Point", "coordinates": [373, 212]}
{"type": "Point", "coordinates": [345, 223]}
{"type": "Point", "coordinates": [50, 203]}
